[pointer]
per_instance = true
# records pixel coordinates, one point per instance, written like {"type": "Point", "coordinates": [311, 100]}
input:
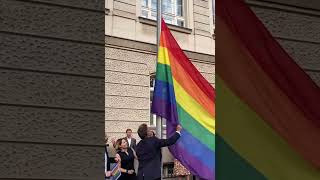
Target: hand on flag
{"type": "Point", "coordinates": [179, 128]}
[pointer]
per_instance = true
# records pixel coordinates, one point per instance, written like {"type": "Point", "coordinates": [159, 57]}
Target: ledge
{"type": "Point", "coordinates": [312, 5]}
{"type": "Point", "coordinates": [152, 48]}
{"type": "Point", "coordinates": [171, 27]}
{"type": "Point", "coordinates": [295, 7]}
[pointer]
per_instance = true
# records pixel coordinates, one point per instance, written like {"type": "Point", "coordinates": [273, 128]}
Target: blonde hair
{"type": "Point", "coordinates": [118, 144]}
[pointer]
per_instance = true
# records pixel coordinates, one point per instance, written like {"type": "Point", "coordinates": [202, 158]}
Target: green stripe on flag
{"type": "Point", "coordinates": [232, 166]}
{"type": "Point", "coordinates": [164, 73]}
{"type": "Point", "coordinates": [195, 128]}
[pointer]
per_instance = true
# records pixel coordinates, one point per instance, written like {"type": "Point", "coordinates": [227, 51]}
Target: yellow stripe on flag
{"type": "Point", "coordinates": [163, 56]}
{"type": "Point", "coordinates": [193, 108]}
{"type": "Point", "coordinates": [265, 150]}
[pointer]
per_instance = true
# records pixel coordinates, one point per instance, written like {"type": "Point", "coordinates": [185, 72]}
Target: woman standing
{"type": "Point", "coordinates": [127, 156]}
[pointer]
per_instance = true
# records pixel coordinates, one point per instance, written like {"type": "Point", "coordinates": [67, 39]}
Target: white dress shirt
{"type": "Point", "coordinates": [129, 141]}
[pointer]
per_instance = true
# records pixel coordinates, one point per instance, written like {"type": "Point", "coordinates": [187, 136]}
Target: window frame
{"type": "Point", "coordinates": [173, 14]}
{"type": "Point", "coordinates": [153, 117]}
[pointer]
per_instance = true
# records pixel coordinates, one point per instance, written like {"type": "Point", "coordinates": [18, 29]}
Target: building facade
{"type": "Point", "coordinates": [131, 55]}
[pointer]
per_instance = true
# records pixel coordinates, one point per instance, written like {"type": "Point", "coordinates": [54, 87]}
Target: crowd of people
{"type": "Point", "coordinates": [147, 152]}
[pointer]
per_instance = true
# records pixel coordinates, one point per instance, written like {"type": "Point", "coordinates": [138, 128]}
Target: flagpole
{"type": "Point", "coordinates": [158, 22]}
{"type": "Point", "coordinates": [159, 119]}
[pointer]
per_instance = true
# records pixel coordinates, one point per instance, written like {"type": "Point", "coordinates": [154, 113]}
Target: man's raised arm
{"type": "Point", "coordinates": [172, 140]}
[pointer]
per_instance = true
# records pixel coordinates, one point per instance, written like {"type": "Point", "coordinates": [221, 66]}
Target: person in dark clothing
{"type": "Point", "coordinates": [149, 153]}
{"type": "Point", "coordinates": [106, 159]}
{"type": "Point", "coordinates": [132, 142]}
{"type": "Point", "coordinates": [127, 156]}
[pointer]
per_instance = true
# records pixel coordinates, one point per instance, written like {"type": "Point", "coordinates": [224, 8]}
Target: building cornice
{"type": "Point", "coordinates": [111, 41]}
{"type": "Point", "coordinates": [171, 27]}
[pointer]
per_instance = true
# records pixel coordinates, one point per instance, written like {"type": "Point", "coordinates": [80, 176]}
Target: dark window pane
{"type": "Point", "coordinates": [179, 8]}
{"type": "Point", "coordinates": [154, 5]}
{"type": "Point", "coordinates": [144, 3]}
{"type": "Point", "coordinates": [179, 11]}
{"type": "Point", "coordinates": [154, 15]}
{"type": "Point", "coordinates": [180, 23]}
{"type": "Point", "coordinates": [152, 81]}
{"type": "Point", "coordinates": [167, 6]}
{"type": "Point", "coordinates": [151, 118]}
{"type": "Point", "coordinates": [144, 13]}
{"type": "Point", "coordinates": [179, 2]}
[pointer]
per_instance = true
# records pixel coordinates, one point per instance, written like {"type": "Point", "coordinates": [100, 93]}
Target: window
{"type": "Point", "coordinates": [172, 11]}
{"type": "Point", "coordinates": [168, 170]}
{"type": "Point", "coordinates": [153, 117]}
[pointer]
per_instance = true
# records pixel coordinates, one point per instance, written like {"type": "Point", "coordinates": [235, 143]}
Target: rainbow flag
{"type": "Point", "coordinates": [115, 172]}
{"type": "Point", "coordinates": [268, 107]}
{"type": "Point", "coordinates": [183, 96]}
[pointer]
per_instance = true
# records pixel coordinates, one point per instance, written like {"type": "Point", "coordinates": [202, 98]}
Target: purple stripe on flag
{"type": "Point", "coordinates": [198, 168]}
{"type": "Point", "coordinates": [168, 111]}
{"type": "Point", "coordinates": [165, 109]}
{"type": "Point", "coordinates": [198, 150]}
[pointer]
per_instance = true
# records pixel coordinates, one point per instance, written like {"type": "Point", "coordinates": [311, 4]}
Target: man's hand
{"type": "Point", "coordinates": [113, 141]}
{"type": "Point", "coordinates": [179, 128]}
{"type": "Point", "coordinates": [130, 171]}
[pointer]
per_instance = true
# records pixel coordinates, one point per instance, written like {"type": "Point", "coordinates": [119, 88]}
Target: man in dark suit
{"type": "Point", "coordinates": [149, 153]}
{"type": "Point", "coordinates": [132, 142]}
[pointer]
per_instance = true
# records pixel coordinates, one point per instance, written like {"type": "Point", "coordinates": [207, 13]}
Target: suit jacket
{"type": "Point", "coordinates": [133, 144]}
{"type": "Point", "coordinates": [107, 161]}
{"type": "Point", "coordinates": [149, 155]}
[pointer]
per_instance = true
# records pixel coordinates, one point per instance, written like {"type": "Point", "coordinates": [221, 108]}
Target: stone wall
{"type": "Point", "coordinates": [296, 25]}
{"type": "Point", "coordinates": [203, 24]}
{"type": "Point", "coordinates": [51, 89]}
